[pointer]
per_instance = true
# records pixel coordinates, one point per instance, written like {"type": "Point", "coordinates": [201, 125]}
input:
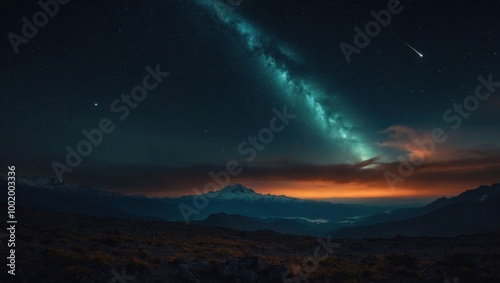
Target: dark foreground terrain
{"type": "Point", "coordinates": [56, 247]}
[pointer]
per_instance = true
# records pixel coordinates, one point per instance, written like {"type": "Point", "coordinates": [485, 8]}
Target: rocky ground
{"type": "Point", "coordinates": [55, 247]}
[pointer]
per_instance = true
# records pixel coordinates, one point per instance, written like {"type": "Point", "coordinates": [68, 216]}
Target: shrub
{"type": "Point", "coordinates": [62, 257]}
{"type": "Point", "coordinates": [102, 259]}
{"type": "Point", "coordinates": [136, 264]}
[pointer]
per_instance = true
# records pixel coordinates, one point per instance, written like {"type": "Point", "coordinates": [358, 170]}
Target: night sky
{"type": "Point", "coordinates": [231, 67]}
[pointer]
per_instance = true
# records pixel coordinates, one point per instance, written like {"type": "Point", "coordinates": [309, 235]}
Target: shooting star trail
{"type": "Point", "coordinates": [419, 54]}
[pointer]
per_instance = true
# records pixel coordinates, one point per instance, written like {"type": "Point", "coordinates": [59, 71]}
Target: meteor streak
{"type": "Point", "coordinates": [419, 54]}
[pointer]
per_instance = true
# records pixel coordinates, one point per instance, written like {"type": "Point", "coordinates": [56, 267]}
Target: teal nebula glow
{"type": "Point", "coordinates": [301, 92]}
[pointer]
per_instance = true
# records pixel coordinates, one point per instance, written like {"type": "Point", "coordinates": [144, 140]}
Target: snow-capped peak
{"type": "Point", "coordinates": [240, 192]}
{"type": "Point", "coordinates": [53, 184]}
{"type": "Point", "coordinates": [236, 189]}
{"type": "Point", "coordinates": [44, 182]}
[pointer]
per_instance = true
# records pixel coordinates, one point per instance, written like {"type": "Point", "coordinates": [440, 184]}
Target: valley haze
{"type": "Point", "coordinates": [170, 252]}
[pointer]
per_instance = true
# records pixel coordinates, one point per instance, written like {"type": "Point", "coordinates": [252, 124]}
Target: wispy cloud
{"type": "Point", "coordinates": [461, 169]}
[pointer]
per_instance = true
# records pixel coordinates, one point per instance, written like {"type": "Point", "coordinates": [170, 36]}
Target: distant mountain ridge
{"type": "Point", "coordinates": [239, 192]}
{"type": "Point", "coordinates": [472, 212]}
{"type": "Point", "coordinates": [239, 207]}
{"type": "Point", "coordinates": [48, 193]}
{"type": "Point", "coordinates": [480, 193]}
{"type": "Point", "coordinates": [240, 200]}
{"type": "Point", "coordinates": [53, 184]}
{"type": "Point", "coordinates": [244, 223]}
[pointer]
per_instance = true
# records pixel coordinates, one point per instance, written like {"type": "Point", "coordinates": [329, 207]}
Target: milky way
{"type": "Point", "coordinates": [278, 63]}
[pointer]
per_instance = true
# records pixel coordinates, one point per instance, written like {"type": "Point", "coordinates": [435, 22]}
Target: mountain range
{"type": "Point", "coordinates": [242, 208]}
{"type": "Point", "coordinates": [471, 212]}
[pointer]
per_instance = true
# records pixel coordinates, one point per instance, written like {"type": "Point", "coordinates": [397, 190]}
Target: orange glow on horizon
{"type": "Point", "coordinates": [326, 190]}
{"type": "Point", "coordinates": [319, 190]}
